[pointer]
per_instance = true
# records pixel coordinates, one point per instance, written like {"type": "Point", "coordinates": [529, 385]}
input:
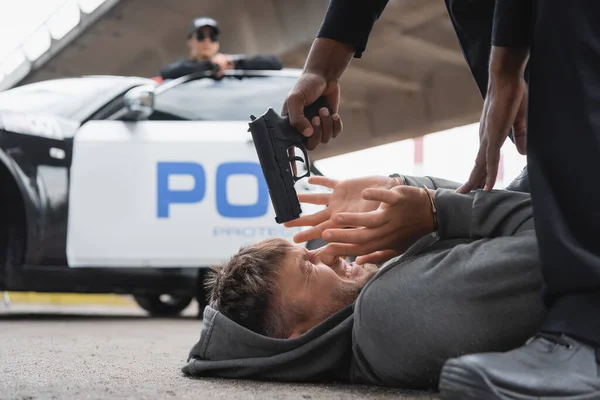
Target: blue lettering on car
{"type": "Point", "coordinates": [166, 197]}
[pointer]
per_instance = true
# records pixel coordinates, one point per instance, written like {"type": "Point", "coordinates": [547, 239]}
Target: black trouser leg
{"type": "Point", "coordinates": [564, 160]}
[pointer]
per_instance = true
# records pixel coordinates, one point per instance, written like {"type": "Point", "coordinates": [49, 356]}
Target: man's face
{"type": "Point", "coordinates": [203, 43]}
{"type": "Point", "coordinates": [318, 290]}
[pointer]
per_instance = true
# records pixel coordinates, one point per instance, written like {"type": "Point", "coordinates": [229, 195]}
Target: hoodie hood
{"type": "Point", "coordinates": [228, 350]}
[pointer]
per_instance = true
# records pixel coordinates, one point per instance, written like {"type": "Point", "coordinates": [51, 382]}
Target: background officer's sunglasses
{"type": "Point", "coordinates": [201, 36]}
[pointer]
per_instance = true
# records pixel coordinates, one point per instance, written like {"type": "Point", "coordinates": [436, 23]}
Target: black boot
{"type": "Point", "coordinates": [548, 367]}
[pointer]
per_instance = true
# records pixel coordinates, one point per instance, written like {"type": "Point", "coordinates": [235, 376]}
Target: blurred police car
{"type": "Point", "coordinates": [121, 185]}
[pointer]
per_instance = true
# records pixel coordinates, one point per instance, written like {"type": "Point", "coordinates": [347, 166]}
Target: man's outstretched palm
{"type": "Point", "coordinates": [346, 197]}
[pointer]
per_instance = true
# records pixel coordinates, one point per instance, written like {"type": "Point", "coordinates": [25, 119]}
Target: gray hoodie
{"type": "Point", "coordinates": [473, 287]}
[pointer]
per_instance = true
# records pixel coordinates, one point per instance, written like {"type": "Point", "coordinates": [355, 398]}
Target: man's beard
{"type": "Point", "coordinates": [348, 292]}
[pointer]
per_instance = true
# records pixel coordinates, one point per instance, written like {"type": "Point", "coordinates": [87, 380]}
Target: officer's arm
{"type": "Point", "coordinates": [351, 22]}
{"type": "Point", "coordinates": [181, 68]}
{"type": "Point", "coordinates": [343, 35]}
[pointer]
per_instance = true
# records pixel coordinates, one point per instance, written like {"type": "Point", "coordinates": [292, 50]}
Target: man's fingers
{"type": "Point", "coordinates": [321, 199]}
{"type": "Point", "coordinates": [354, 235]}
{"type": "Point", "coordinates": [323, 181]}
{"type": "Point", "coordinates": [372, 219]}
{"type": "Point", "coordinates": [309, 220]}
{"type": "Point", "coordinates": [295, 108]}
{"type": "Point", "coordinates": [349, 249]}
{"type": "Point", "coordinates": [326, 124]}
{"type": "Point", "coordinates": [312, 233]}
{"type": "Point", "coordinates": [382, 195]}
{"type": "Point", "coordinates": [378, 257]}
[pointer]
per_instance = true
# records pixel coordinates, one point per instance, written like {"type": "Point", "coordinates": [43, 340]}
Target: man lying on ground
{"type": "Point", "coordinates": [468, 281]}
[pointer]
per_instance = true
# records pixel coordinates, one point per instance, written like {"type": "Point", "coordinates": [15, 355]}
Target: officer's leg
{"type": "Point", "coordinates": [563, 162]}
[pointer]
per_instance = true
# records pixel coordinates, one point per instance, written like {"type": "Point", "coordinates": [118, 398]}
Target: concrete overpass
{"type": "Point", "coordinates": [411, 81]}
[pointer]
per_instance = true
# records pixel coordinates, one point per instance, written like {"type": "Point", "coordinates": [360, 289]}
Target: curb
{"type": "Point", "coordinates": [70, 299]}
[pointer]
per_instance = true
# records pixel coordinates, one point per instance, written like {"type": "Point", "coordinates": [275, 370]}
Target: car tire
{"type": "Point", "coordinates": [158, 306]}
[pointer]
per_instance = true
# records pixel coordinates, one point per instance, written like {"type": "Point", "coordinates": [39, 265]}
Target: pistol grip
{"type": "Point", "coordinates": [312, 110]}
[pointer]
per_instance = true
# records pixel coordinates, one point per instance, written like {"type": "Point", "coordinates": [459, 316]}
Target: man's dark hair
{"type": "Point", "coordinates": [245, 289]}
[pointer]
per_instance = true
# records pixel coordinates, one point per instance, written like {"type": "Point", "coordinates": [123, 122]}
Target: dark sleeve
{"type": "Point", "coordinates": [259, 62]}
{"type": "Point", "coordinates": [512, 23]}
{"type": "Point", "coordinates": [184, 67]}
{"type": "Point", "coordinates": [351, 22]}
{"type": "Point", "coordinates": [477, 214]}
{"type": "Point", "coordinates": [481, 214]}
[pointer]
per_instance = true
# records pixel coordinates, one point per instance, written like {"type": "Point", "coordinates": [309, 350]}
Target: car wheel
{"type": "Point", "coordinates": [163, 305]}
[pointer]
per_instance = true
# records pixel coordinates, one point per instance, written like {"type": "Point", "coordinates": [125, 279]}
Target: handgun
{"type": "Point", "coordinates": [273, 137]}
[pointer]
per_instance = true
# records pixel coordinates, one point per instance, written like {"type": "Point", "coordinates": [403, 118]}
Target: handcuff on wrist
{"type": "Point", "coordinates": [433, 209]}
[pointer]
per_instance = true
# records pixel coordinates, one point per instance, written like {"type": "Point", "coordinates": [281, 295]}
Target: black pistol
{"type": "Point", "coordinates": [273, 137]}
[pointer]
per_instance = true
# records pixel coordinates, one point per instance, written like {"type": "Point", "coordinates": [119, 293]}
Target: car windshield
{"type": "Point", "coordinates": [229, 99]}
{"type": "Point", "coordinates": [57, 98]}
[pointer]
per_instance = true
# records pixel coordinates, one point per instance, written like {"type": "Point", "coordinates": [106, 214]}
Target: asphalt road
{"type": "Point", "coordinates": [75, 352]}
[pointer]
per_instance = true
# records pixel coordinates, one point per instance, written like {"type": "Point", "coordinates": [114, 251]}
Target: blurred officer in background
{"type": "Point", "coordinates": [203, 43]}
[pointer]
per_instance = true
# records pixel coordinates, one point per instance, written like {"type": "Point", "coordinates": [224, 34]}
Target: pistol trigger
{"type": "Point", "coordinates": [297, 158]}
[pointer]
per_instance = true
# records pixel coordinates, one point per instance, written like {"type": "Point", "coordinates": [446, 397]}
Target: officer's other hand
{"type": "Point", "coordinates": [520, 125]}
{"type": "Point", "coordinates": [309, 87]}
{"type": "Point", "coordinates": [504, 107]}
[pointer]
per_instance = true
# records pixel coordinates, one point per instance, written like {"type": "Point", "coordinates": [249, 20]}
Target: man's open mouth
{"type": "Point", "coordinates": [351, 269]}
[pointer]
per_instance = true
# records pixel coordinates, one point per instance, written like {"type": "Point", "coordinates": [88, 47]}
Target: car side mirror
{"type": "Point", "coordinates": [139, 103]}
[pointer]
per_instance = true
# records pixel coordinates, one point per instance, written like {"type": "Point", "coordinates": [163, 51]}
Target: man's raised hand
{"type": "Point", "coordinates": [404, 216]}
{"type": "Point", "coordinates": [346, 197]}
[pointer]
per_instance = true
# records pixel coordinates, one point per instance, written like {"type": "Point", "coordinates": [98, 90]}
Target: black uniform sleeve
{"type": "Point", "coordinates": [184, 67]}
{"type": "Point", "coordinates": [513, 20]}
{"type": "Point", "coordinates": [260, 62]}
{"type": "Point", "coordinates": [351, 22]}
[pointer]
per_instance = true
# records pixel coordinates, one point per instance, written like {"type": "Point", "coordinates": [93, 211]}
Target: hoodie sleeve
{"type": "Point", "coordinates": [351, 22]}
{"type": "Point", "coordinates": [481, 214]}
{"type": "Point", "coordinates": [477, 214]}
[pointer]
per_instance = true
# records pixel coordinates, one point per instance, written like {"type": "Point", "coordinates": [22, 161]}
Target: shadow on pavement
{"type": "Point", "coordinates": [318, 390]}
